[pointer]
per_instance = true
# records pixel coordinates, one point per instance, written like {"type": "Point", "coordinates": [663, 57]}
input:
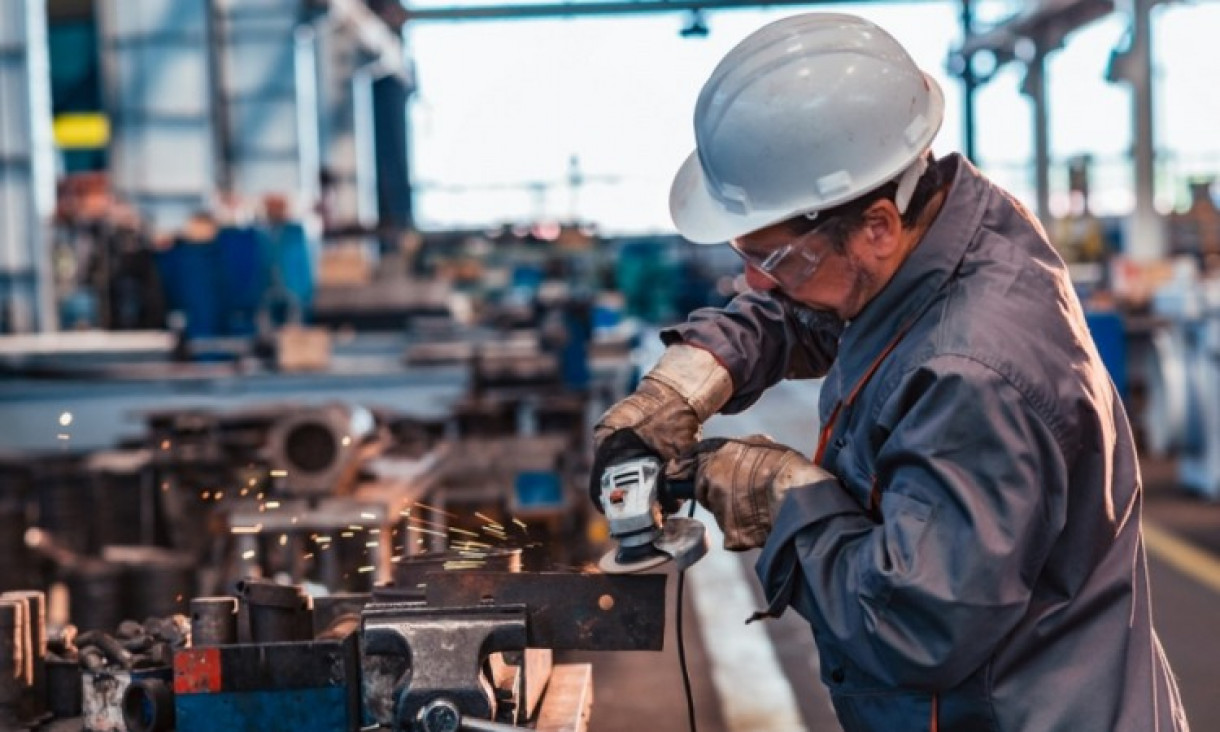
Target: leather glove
{"type": "Point", "coordinates": [744, 481]}
{"type": "Point", "coordinates": [662, 418]}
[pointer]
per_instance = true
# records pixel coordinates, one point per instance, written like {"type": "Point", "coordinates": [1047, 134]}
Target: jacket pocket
{"type": "Point", "coordinates": [899, 711]}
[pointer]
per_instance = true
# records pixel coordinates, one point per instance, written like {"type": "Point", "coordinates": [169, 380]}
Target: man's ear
{"type": "Point", "coordinates": [883, 224]}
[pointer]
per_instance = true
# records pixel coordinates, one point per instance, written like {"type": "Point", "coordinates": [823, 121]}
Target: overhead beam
{"type": "Point", "coordinates": [572, 9]}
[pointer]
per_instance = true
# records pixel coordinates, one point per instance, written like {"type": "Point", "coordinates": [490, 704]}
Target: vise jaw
{"type": "Point", "coordinates": [427, 654]}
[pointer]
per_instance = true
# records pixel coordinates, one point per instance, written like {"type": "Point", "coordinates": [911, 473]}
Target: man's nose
{"type": "Point", "coordinates": [758, 281]}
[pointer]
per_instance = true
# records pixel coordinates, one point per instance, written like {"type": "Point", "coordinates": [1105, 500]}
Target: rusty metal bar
{"type": "Point", "coordinates": [567, 611]}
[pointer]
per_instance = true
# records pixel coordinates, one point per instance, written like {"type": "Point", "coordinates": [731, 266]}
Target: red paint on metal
{"type": "Point", "coordinates": [197, 671]}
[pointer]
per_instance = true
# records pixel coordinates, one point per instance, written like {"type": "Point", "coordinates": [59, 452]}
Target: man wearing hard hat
{"type": "Point", "coordinates": [966, 541]}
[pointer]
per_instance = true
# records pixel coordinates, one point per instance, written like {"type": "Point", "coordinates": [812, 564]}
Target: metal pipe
{"type": "Point", "coordinates": [213, 621]}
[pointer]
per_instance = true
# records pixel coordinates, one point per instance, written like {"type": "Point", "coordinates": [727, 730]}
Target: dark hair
{"type": "Point", "coordinates": [847, 218]}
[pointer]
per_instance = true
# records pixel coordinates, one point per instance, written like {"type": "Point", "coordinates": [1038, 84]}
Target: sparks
{"type": "Point", "coordinates": [434, 509]}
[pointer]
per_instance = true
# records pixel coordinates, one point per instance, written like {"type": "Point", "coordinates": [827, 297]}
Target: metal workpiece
{"type": "Point", "coordinates": [316, 451]}
{"type": "Point", "coordinates": [446, 649]}
{"type": "Point", "coordinates": [277, 613]}
{"type": "Point", "coordinates": [411, 572]}
{"type": "Point", "coordinates": [213, 621]}
{"type": "Point", "coordinates": [567, 611]}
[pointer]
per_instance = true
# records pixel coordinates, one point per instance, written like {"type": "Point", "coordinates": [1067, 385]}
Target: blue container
{"type": "Point", "coordinates": [538, 490]}
{"type": "Point", "coordinates": [1111, 339]}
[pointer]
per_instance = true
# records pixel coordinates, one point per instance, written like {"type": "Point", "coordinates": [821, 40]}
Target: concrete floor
{"type": "Point", "coordinates": [732, 683]}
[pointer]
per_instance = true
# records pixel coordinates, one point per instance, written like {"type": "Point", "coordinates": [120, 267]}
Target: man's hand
{"type": "Point", "coordinates": [744, 481]}
{"type": "Point", "coordinates": [662, 418]}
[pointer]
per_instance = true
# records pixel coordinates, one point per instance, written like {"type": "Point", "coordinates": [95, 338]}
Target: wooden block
{"type": "Point", "coordinates": [302, 349]}
{"type": "Point", "coordinates": [568, 700]}
{"type": "Point", "coordinates": [344, 265]}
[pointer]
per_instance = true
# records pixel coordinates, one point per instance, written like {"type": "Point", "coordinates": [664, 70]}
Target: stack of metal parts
{"type": "Point", "coordinates": [127, 677]}
{"type": "Point", "coordinates": [23, 652]}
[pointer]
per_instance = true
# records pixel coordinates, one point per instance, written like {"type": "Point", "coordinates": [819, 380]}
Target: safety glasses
{"type": "Point", "coordinates": [789, 265]}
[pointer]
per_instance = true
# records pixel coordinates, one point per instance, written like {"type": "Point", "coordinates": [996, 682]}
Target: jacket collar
{"type": "Point", "coordinates": [925, 272]}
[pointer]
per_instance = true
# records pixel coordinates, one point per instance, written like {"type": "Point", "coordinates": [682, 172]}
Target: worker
{"type": "Point", "coordinates": [966, 541]}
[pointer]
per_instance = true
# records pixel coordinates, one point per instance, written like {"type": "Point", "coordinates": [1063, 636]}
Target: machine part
{"type": "Point", "coordinates": [318, 449]}
{"type": "Point", "coordinates": [278, 613]}
{"type": "Point", "coordinates": [63, 688]}
{"type": "Point", "coordinates": [148, 706]}
{"type": "Point", "coordinates": [332, 613]}
{"type": "Point", "coordinates": [309, 686]}
{"type": "Point", "coordinates": [103, 694]}
{"type": "Point", "coordinates": [567, 611]}
{"type": "Point", "coordinates": [447, 649]}
{"type": "Point", "coordinates": [632, 494]}
{"type": "Point", "coordinates": [442, 715]}
{"type": "Point", "coordinates": [213, 621]}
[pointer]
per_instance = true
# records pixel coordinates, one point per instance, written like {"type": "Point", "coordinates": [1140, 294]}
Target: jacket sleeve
{"type": "Point", "coordinates": [973, 485]}
{"type": "Point", "coordinates": [761, 338]}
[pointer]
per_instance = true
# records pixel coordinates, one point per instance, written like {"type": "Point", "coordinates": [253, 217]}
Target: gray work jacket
{"type": "Point", "coordinates": [980, 564]}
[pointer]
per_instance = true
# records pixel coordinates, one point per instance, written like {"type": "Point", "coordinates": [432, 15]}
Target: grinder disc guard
{"type": "Point", "coordinates": [682, 540]}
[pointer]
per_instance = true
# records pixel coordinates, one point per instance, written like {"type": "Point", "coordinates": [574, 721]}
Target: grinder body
{"type": "Point", "coordinates": [633, 493]}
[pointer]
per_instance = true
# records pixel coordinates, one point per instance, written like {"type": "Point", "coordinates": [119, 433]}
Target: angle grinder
{"type": "Point", "coordinates": [633, 496]}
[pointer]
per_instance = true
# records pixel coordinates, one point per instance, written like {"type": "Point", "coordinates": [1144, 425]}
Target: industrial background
{"type": "Point", "coordinates": [294, 426]}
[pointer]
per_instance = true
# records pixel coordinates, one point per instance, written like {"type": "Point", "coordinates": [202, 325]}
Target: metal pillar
{"type": "Point", "coordinates": [1034, 87]}
{"type": "Point", "coordinates": [27, 168]}
{"type": "Point", "coordinates": [1146, 232]}
{"type": "Point", "coordinates": [969, 86]}
{"type": "Point", "coordinates": [268, 95]}
{"type": "Point", "coordinates": [157, 77]}
{"type": "Point", "coordinates": [346, 90]}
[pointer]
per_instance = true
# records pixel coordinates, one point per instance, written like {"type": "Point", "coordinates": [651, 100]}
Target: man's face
{"type": "Point", "coordinates": [808, 269]}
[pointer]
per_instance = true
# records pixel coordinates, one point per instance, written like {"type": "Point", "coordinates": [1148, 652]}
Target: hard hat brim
{"type": "Point", "coordinates": [702, 219]}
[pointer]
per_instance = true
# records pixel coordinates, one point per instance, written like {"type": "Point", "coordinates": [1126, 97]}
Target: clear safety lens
{"type": "Point", "coordinates": [789, 265]}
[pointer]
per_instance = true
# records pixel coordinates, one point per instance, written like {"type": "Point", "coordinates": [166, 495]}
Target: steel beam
{"type": "Point", "coordinates": [27, 175]}
{"type": "Point", "coordinates": [572, 9]}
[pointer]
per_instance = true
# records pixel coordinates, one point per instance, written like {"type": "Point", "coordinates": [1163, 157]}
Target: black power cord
{"type": "Point", "coordinates": [690, 696]}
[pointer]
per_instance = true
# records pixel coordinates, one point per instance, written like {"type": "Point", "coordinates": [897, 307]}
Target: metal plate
{"type": "Point", "coordinates": [567, 611]}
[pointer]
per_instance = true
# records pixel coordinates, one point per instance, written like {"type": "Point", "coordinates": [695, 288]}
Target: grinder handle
{"type": "Point", "coordinates": [681, 490]}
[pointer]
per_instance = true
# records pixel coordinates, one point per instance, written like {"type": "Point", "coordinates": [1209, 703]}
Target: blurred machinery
{"type": "Point", "coordinates": [1182, 415]}
{"type": "Point", "coordinates": [461, 648]}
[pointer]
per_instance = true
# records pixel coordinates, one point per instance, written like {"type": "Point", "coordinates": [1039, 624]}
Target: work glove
{"type": "Point", "coordinates": [663, 416]}
{"type": "Point", "coordinates": [743, 482]}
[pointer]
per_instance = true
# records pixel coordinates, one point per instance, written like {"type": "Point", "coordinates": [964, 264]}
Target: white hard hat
{"type": "Point", "coordinates": [806, 113]}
